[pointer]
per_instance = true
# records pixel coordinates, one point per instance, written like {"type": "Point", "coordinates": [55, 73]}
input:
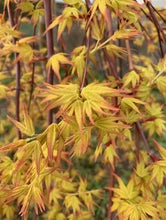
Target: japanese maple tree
{"type": "Point", "coordinates": [101, 105]}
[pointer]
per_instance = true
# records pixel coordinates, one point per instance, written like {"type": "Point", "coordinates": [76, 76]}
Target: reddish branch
{"type": "Point", "coordinates": [111, 64]}
{"type": "Point", "coordinates": [18, 69]}
{"type": "Point", "coordinates": [50, 48]}
{"type": "Point", "coordinates": [153, 18]}
{"type": "Point", "coordinates": [139, 130]}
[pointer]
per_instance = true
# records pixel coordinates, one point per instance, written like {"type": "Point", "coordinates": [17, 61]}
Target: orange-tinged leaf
{"type": "Point", "coordinates": [13, 145]}
{"type": "Point", "coordinates": [55, 22]}
{"type": "Point", "coordinates": [161, 149]}
{"type": "Point", "coordinates": [28, 121]}
{"type": "Point", "coordinates": [37, 155]}
{"type": "Point", "coordinates": [38, 198]}
{"type": "Point", "coordinates": [51, 139]}
{"type": "Point", "coordinates": [78, 114]}
{"type": "Point", "coordinates": [20, 126]}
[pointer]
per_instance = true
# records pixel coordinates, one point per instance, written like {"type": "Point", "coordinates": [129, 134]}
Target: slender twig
{"type": "Point", "coordinates": [50, 48]}
{"type": "Point", "coordinates": [160, 43]}
{"type": "Point", "coordinates": [33, 75]}
{"type": "Point", "coordinates": [130, 61]}
{"type": "Point", "coordinates": [110, 63]}
{"type": "Point", "coordinates": [162, 18]}
{"type": "Point", "coordinates": [131, 67]}
{"type": "Point", "coordinates": [87, 59]}
{"type": "Point", "coordinates": [144, 138]}
{"type": "Point", "coordinates": [18, 69]}
{"type": "Point", "coordinates": [155, 20]}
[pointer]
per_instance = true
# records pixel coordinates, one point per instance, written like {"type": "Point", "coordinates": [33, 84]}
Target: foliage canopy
{"type": "Point", "coordinates": [100, 105]}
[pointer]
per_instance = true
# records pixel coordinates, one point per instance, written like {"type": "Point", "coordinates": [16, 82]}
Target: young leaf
{"type": "Point", "coordinates": [55, 62]}
{"type": "Point", "coordinates": [73, 202]}
{"type": "Point", "coordinates": [21, 127]}
{"type": "Point", "coordinates": [110, 154]}
{"type": "Point", "coordinates": [127, 103]}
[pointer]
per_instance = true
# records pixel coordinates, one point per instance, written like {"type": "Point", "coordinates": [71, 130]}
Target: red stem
{"type": "Point", "coordinates": [18, 69]}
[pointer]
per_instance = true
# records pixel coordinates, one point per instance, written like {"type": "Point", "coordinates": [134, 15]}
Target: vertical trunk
{"type": "Point", "coordinates": [50, 47]}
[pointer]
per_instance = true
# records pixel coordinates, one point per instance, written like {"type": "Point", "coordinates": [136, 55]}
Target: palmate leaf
{"type": "Point", "coordinates": [96, 95]}
{"type": "Point", "coordinates": [130, 103]}
{"type": "Point", "coordinates": [110, 123]}
{"type": "Point", "coordinates": [110, 154]}
{"type": "Point", "coordinates": [161, 84]}
{"type": "Point", "coordinates": [101, 5]}
{"type": "Point", "coordinates": [91, 100]}
{"type": "Point", "coordinates": [129, 192]}
{"type": "Point", "coordinates": [141, 211]}
{"type": "Point", "coordinates": [55, 62]}
{"type": "Point", "coordinates": [130, 205]}
{"type": "Point", "coordinates": [132, 77]}
{"type": "Point", "coordinates": [157, 125]}
{"type": "Point", "coordinates": [161, 149]}
{"type": "Point", "coordinates": [65, 19]}
{"type": "Point", "coordinates": [159, 166]}
{"type": "Point", "coordinates": [26, 128]}
{"type": "Point", "coordinates": [81, 142]}
{"type": "Point", "coordinates": [73, 202]}
{"type": "Point", "coordinates": [60, 95]}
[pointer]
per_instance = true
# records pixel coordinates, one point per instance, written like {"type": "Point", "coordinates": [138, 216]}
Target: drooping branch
{"type": "Point", "coordinates": [50, 48]}
{"type": "Point", "coordinates": [18, 69]}
{"type": "Point", "coordinates": [155, 21]}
